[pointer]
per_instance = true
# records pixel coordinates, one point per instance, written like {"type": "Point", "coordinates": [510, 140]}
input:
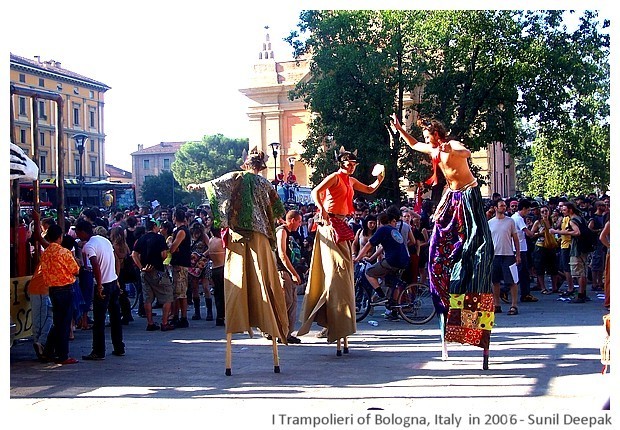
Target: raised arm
{"type": "Point", "coordinates": [411, 141]}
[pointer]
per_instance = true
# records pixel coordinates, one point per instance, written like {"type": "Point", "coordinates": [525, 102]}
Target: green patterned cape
{"type": "Point", "coordinates": [245, 202]}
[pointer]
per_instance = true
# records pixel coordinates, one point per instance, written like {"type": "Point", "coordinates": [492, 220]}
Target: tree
{"type": "Point", "coordinates": [208, 159]}
{"type": "Point", "coordinates": [355, 79]}
{"type": "Point", "coordinates": [161, 188]}
{"type": "Point", "coordinates": [571, 167]}
{"type": "Point", "coordinates": [481, 72]}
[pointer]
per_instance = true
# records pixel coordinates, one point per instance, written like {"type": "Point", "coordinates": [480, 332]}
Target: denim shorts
{"type": "Point", "coordinates": [501, 269]}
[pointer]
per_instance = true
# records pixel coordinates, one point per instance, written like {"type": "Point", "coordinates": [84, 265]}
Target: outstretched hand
{"type": "Point", "coordinates": [192, 187]}
{"type": "Point", "coordinates": [395, 123]}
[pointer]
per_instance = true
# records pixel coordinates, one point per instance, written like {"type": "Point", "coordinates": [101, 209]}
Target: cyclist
{"type": "Point", "coordinates": [395, 253]}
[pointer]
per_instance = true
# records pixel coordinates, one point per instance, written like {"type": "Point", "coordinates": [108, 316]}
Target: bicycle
{"type": "Point", "coordinates": [414, 303]}
{"type": "Point", "coordinates": [132, 293]}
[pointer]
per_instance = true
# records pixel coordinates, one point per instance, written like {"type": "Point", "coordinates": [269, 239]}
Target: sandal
{"type": "Point", "coordinates": [513, 311]}
{"type": "Point", "coordinates": [545, 292]}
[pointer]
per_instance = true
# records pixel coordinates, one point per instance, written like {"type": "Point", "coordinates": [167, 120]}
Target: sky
{"type": "Point", "coordinates": [174, 73]}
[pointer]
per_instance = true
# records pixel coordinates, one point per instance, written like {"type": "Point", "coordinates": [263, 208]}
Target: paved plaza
{"type": "Point", "coordinates": [545, 360]}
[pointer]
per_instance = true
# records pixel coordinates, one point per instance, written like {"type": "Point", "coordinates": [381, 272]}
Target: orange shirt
{"type": "Point", "coordinates": [58, 266]}
{"type": "Point", "coordinates": [339, 197]}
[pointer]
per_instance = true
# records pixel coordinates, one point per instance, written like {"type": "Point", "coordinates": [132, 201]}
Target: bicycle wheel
{"type": "Point", "coordinates": [362, 301]}
{"type": "Point", "coordinates": [415, 304]}
{"type": "Point", "coordinates": [130, 289]}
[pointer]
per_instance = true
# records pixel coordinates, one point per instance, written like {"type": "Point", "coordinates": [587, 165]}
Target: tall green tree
{"type": "Point", "coordinates": [572, 167]}
{"type": "Point", "coordinates": [208, 159]}
{"type": "Point", "coordinates": [481, 73]}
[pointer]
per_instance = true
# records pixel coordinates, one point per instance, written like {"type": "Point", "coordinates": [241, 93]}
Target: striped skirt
{"type": "Point", "coordinates": [460, 261]}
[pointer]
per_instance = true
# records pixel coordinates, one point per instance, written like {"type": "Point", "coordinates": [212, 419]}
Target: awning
{"type": "Point", "coordinates": [53, 181]}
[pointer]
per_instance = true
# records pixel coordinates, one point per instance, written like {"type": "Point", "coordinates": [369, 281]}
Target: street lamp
{"type": "Point", "coordinates": [291, 162]}
{"type": "Point", "coordinates": [80, 141]}
{"type": "Point", "coordinates": [275, 146]}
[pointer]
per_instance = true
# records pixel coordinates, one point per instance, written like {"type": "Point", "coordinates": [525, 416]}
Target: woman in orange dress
{"type": "Point", "coordinates": [329, 298]}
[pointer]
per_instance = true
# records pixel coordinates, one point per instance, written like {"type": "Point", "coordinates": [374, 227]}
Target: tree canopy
{"type": "Point", "coordinates": [167, 191]}
{"type": "Point", "coordinates": [480, 72]}
{"type": "Point", "coordinates": [208, 159]}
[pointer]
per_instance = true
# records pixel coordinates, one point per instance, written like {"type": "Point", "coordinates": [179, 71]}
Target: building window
{"type": "Point", "coordinates": [42, 110]}
{"type": "Point", "coordinates": [92, 118]}
{"type": "Point", "coordinates": [76, 114]}
{"type": "Point", "coordinates": [42, 168]}
{"type": "Point", "coordinates": [41, 82]}
{"type": "Point", "coordinates": [146, 164]}
{"type": "Point", "coordinates": [22, 78]}
{"type": "Point", "coordinates": [76, 90]}
{"type": "Point", "coordinates": [22, 136]}
{"type": "Point", "coordinates": [166, 164]}
{"type": "Point", "coordinates": [42, 139]}
{"type": "Point", "coordinates": [93, 167]}
{"type": "Point", "coordinates": [92, 145]}
{"type": "Point", "coordinates": [91, 93]}
{"type": "Point", "coordinates": [59, 86]}
{"type": "Point", "coordinates": [22, 105]}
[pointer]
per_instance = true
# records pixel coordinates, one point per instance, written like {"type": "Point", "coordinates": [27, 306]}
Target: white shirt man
{"type": "Point", "coordinates": [523, 232]}
{"type": "Point", "coordinates": [504, 235]}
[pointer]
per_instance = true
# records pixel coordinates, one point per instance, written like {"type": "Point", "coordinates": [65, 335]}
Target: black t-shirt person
{"type": "Point", "coordinates": [149, 246]}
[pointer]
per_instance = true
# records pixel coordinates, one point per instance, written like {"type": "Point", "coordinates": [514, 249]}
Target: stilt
{"type": "Point", "coordinates": [442, 330]}
{"type": "Point", "coordinates": [338, 347]}
{"type": "Point", "coordinates": [276, 359]}
{"type": "Point", "coordinates": [346, 345]}
{"type": "Point", "coordinates": [228, 354]}
{"type": "Point", "coordinates": [485, 359]}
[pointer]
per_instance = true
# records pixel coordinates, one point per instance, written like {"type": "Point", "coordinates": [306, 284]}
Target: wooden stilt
{"type": "Point", "coordinates": [276, 359]}
{"type": "Point", "coordinates": [485, 359]}
{"type": "Point", "coordinates": [442, 330]}
{"type": "Point", "coordinates": [338, 347]}
{"type": "Point", "coordinates": [346, 345]}
{"type": "Point", "coordinates": [228, 354]}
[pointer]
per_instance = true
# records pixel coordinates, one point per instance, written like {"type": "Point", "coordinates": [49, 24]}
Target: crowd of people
{"type": "Point", "coordinates": [178, 257]}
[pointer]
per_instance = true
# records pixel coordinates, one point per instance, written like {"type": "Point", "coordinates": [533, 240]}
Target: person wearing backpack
{"type": "Point", "coordinates": [581, 246]}
{"type": "Point", "coordinates": [289, 253]}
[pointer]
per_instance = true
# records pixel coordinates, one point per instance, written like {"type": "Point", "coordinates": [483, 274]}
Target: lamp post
{"type": "Point", "coordinates": [291, 162]}
{"type": "Point", "coordinates": [274, 148]}
{"type": "Point", "coordinates": [80, 141]}
{"type": "Point", "coordinates": [291, 187]}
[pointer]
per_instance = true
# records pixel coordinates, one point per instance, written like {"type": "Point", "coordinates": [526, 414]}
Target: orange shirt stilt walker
{"type": "Point", "coordinates": [329, 299]}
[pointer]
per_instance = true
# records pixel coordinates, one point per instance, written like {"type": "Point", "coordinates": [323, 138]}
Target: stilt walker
{"type": "Point", "coordinates": [461, 247]}
{"type": "Point", "coordinates": [247, 206]}
{"type": "Point", "coordinates": [330, 299]}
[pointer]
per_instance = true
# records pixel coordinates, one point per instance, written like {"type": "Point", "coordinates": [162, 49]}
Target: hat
{"type": "Point", "coordinates": [343, 155]}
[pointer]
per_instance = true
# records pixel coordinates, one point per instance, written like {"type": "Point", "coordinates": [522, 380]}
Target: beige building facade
{"type": "Point", "coordinates": [275, 118]}
{"type": "Point", "coordinates": [152, 161]}
{"type": "Point", "coordinates": [83, 113]}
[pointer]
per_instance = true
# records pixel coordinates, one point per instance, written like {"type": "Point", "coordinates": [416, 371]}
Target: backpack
{"type": "Point", "coordinates": [295, 255]}
{"type": "Point", "coordinates": [586, 242]}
